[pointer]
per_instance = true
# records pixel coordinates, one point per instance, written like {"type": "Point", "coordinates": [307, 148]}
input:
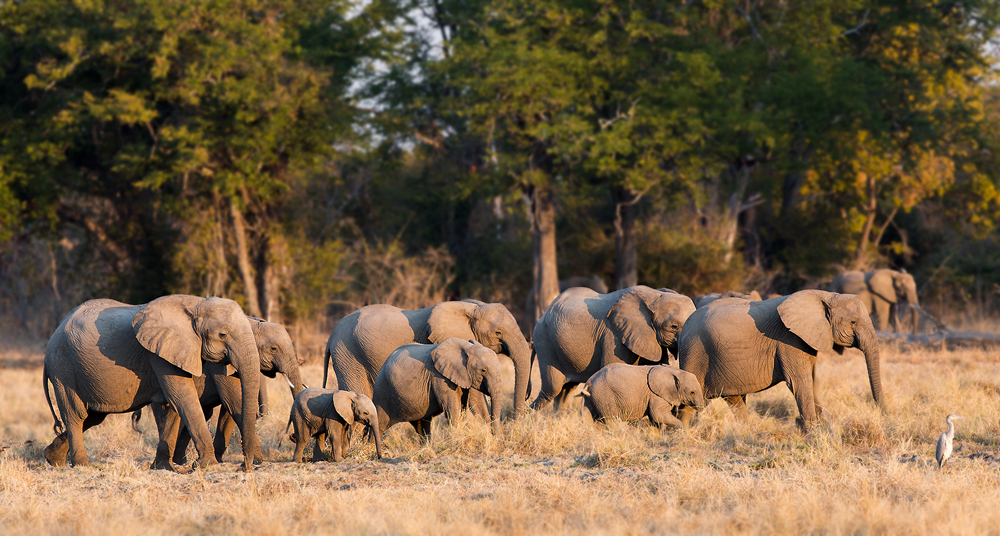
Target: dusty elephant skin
{"type": "Point", "coordinates": [277, 355]}
{"type": "Point", "coordinates": [110, 357]}
{"type": "Point", "coordinates": [419, 381]}
{"type": "Point", "coordinates": [329, 413]}
{"type": "Point", "coordinates": [736, 347]}
{"type": "Point", "coordinates": [629, 393]}
{"type": "Point", "coordinates": [882, 292]}
{"type": "Point", "coordinates": [362, 341]}
{"type": "Point", "coordinates": [583, 331]}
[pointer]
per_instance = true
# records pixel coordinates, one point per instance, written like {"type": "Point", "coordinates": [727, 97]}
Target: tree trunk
{"type": "Point", "coordinates": [861, 254]}
{"type": "Point", "coordinates": [626, 255]}
{"type": "Point", "coordinates": [543, 240]}
{"type": "Point", "coordinates": [243, 259]}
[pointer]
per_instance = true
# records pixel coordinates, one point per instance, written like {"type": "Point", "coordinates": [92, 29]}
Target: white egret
{"type": "Point", "coordinates": [945, 442]}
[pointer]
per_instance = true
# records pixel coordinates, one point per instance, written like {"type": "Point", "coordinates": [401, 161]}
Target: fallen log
{"type": "Point", "coordinates": [941, 339]}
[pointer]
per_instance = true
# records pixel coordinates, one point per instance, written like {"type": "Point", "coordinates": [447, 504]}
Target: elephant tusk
{"type": "Point", "coordinates": [290, 386]}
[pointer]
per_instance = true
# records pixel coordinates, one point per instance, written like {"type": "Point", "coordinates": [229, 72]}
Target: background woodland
{"type": "Point", "coordinates": [305, 158]}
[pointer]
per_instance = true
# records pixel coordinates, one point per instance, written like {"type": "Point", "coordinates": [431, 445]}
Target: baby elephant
{"type": "Point", "coordinates": [629, 393]}
{"type": "Point", "coordinates": [419, 381]}
{"type": "Point", "coordinates": [320, 412]}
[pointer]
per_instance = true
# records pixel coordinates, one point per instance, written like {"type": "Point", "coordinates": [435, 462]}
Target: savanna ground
{"type": "Point", "coordinates": [859, 471]}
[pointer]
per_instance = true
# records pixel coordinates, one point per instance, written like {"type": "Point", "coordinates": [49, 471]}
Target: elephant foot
{"type": "Point", "coordinates": [802, 424]}
{"type": "Point", "coordinates": [247, 468]}
{"type": "Point", "coordinates": [205, 462]}
{"type": "Point", "coordinates": [180, 460]}
{"type": "Point", "coordinates": [56, 452]}
{"type": "Point", "coordinates": [160, 463]}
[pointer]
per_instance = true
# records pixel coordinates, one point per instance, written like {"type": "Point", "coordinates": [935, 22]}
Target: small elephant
{"type": "Point", "coordinates": [110, 357]}
{"type": "Point", "coordinates": [583, 331]}
{"type": "Point", "coordinates": [709, 298]}
{"type": "Point", "coordinates": [736, 347]}
{"type": "Point", "coordinates": [419, 381]}
{"type": "Point", "coordinates": [630, 392]}
{"type": "Point", "coordinates": [882, 292]}
{"type": "Point", "coordinates": [329, 413]}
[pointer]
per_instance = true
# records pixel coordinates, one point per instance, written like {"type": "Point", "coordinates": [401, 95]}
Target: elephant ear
{"type": "Point", "coordinates": [663, 383]}
{"type": "Point", "coordinates": [632, 322]}
{"type": "Point", "coordinates": [804, 313]}
{"type": "Point", "coordinates": [881, 284]}
{"type": "Point", "coordinates": [451, 319]}
{"type": "Point", "coordinates": [165, 326]}
{"type": "Point", "coordinates": [449, 359]}
{"type": "Point", "coordinates": [343, 403]}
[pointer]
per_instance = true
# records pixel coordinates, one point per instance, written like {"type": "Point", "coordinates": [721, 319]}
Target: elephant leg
{"type": "Point", "coordinates": [78, 455]}
{"type": "Point", "coordinates": [423, 428]}
{"type": "Point", "coordinates": [882, 311]}
{"type": "Point", "coordinates": [336, 435]}
{"type": "Point", "coordinates": [801, 385]}
{"type": "Point", "coordinates": [179, 389]}
{"type": "Point", "coordinates": [223, 431]}
{"type": "Point", "coordinates": [738, 403]}
{"type": "Point", "coordinates": [56, 452]}
{"type": "Point", "coordinates": [660, 414]}
{"type": "Point", "coordinates": [300, 447]}
{"type": "Point", "coordinates": [169, 423]}
{"type": "Point", "coordinates": [231, 395]}
{"type": "Point", "coordinates": [552, 384]}
{"type": "Point", "coordinates": [318, 454]}
{"type": "Point", "coordinates": [819, 408]}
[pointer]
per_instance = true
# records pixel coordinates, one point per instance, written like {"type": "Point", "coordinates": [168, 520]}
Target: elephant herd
{"type": "Point", "coordinates": [636, 352]}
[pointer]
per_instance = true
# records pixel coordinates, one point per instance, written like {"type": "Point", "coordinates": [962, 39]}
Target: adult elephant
{"type": "Point", "coordinates": [363, 340]}
{"type": "Point", "coordinates": [583, 331]}
{"type": "Point", "coordinates": [881, 291]}
{"type": "Point", "coordinates": [110, 357]}
{"type": "Point", "coordinates": [277, 355]}
{"type": "Point", "coordinates": [736, 347]}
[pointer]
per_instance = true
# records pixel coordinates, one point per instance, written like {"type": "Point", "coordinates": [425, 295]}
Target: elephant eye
{"type": "Point", "coordinates": [854, 322]}
{"type": "Point", "coordinates": [274, 349]}
{"type": "Point", "coordinates": [222, 335]}
{"type": "Point", "coordinates": [499, 333]}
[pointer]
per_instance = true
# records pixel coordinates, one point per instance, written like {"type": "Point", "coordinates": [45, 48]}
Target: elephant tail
{"type": "Point", "coordinates": [585, 392]}
{"type": "Point", "coordinates": [57, 425]}
{"type": "Point", "coordinates": [136, 416]}
{"type": "Point", "coordinates": [326, 366]}
{"type": "Point", "coordinates": [290, 438]}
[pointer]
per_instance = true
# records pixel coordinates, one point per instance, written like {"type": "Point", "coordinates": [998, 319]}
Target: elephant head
{"type": "Point", "coordinates": [471, 365]}
{"type": "Point", "coordinates": [186, 330]}
{"type": "Point", "coordinates": [829, 321]}
{"type": "Point", "coordinates": [676, 386]}
{"type": "Point", "coordinates": [355, 407]}
{"type": "Point", "coordinates": [277, 353]}
{"type": "Point", "coordinates": [491, 325]}
{"type": "Point", "coordinates": [649, 321]}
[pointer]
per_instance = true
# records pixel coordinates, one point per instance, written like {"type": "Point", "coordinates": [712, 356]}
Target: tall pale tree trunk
{"type": "Point", "coordinates": [243, 259]}
{"type": "Point", "coordinates": [861, 253]}
{"type": "Point", "coordinates": [543, 240]}
{"type": "Point", "coordinates": [626, 251]}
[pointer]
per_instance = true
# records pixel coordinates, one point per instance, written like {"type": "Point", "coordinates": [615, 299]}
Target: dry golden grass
{"type": "Point", "coordinates": [859, 471]}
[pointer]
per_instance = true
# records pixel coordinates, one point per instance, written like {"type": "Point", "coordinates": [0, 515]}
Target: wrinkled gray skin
{"type": "Point", "coordinates": [629, 393]}
{"type": "Point", "coordinates": [594, 283]}
{"type": "Point", "coordinates": [419, 381]}
{"type": "Point", "coordinates": [328, 413]}
{"type": "Point", "coordinates": [363, 340]}
{"type": "Point", "coordinates": [882, 292]}
{"type": "Point", "coordinates": [277, 354]}
{"type": "Point", "coordinates": [109, 357]}
{"type": "Point", "coordinates": [583, 331]}
{"type": "Point", "coordinates": [702, 301]}
{"type": "Point", "coordinates": [736, 347]}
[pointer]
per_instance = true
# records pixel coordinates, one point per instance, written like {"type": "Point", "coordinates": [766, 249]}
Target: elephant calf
{"type": "Point", "coordinates": [630, 392]}
{"type": "Point", "coordinates": [326, 412]}
{"type": "Point", "coordinates": [419, 381]}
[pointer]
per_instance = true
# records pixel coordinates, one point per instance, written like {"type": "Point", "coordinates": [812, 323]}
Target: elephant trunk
{"type": "Point", "coordinates": [495, 387]}
{"type": "Point", "coordinates": [520, 355]}
{"type": "Point", "coordinates": [294, 378]}
{"type": "Point", "coordinates": [373, 427]}
{"type": "Point", "coordinates": [247, 362]}
{"type": "Point", "coordinates": [867, 342]}
{"type": "Point", "coordinates": [915, 316]}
